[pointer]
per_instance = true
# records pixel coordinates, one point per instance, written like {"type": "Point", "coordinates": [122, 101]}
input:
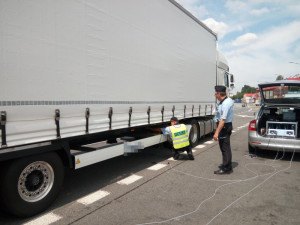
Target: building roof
{"type": "Point", "coordinates": [249, 94]}
{"type": "Point", "coordinates": [295, 77]}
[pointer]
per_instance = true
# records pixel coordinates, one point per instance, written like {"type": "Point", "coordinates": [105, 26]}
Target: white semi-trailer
{"type": "Point", "coordinates": [79, 72]}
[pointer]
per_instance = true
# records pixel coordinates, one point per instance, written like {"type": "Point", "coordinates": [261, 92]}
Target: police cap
{"type": "Point", "coordinates": [220, 88]}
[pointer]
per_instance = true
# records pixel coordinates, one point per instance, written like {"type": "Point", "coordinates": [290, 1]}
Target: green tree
{"type": "Point", "coordinates": [279, 77]}
{"type": "Point", "coordinates": [245, 89]}
{"type": "Point", "coordinates": [238, 95]}
{"type": "Point", "coordinates": [248, 89]}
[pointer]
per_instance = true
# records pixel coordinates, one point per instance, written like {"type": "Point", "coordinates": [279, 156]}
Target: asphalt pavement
{"type": "Point", "coordinates": [152, 188]}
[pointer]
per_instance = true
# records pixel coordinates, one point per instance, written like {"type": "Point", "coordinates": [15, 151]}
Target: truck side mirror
{"type": "Point", "coordinates": [231, 78]}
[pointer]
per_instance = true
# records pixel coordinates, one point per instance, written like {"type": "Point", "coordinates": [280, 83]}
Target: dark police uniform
{"type": "Point", "coordinates": [225, 111]}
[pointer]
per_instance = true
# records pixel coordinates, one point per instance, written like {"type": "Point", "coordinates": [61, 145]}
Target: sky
{"type": "Point", "coordinates": [259, 38]}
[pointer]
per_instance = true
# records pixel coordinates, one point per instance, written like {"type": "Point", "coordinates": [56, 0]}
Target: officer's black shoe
{"type": "Point", "coordinates": [191, 156]}
{"type": "Point", "coordinates": [223, 171]}
{"type": "Point", "coordinates": [176, 155]}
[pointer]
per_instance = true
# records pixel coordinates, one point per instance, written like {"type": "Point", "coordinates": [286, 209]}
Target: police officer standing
{"type": "Point", "coordinates": [224, 116]}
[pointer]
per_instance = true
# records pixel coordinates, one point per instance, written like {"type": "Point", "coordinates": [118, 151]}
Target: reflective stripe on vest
{"type": "Point", "coordinates": [180, 136]}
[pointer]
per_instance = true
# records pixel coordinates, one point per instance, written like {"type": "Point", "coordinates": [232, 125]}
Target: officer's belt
{"type": "Point", "coordinates": [225, 123]}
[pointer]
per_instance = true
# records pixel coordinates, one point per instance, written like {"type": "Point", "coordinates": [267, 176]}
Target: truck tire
{"type": "Point", "coordinates": [29, 185]}
{"type": "Point", "coordinates": [194, 134]}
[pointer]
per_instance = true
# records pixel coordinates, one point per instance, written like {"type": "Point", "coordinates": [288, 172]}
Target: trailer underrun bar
{"type": "Point", "coordinates": [103, 153]}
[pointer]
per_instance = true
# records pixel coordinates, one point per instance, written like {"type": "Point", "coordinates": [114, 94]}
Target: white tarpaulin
{"type": "Point", "coordinates": [72, 55]}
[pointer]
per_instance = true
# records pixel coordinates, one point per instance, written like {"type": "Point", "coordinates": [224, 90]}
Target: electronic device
{"type": "Point", "coordinates": [289, 116]}
{"type": "Point", "coordinates": [282, 129]}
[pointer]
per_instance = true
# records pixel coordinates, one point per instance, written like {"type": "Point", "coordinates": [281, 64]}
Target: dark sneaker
{"type": "Point", "coordinates": [191, 156]}
{"type": "Point", "coordinates": [222, 171]}
{"type": "Point", "coordinates": [176, 155]}
{"type": "Point", "coordinates": [225, 168]}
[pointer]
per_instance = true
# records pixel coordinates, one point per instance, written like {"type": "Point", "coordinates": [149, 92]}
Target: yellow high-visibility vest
{"type": "Point", "coordinates": [180, 136]}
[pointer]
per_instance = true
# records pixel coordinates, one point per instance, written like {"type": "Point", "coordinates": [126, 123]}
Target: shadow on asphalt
{"type": "Point", "coordinates": [285, 156]}
{"type": "Point", "coordinates": [235, 164]}
{"type": "Point", "coordinates": [79, 183]}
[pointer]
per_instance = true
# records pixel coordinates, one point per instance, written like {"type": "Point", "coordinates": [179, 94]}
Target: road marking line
{"type": "Point", "coordinates": [171, 159]}
{"type": "Point", "coordinates": [129, 180]}
{"type": "Point", "coordinates": [245, 116]}
{"type": "Point", "coordinates": [233, 131]}
{"type": "Point", "coordinates": [45, 220]}
{"type": "Point", "coordinates": [200, 146]}
{"type": "Point", "coordinates": [91, 198]}
{"type": "Point", "coordinates": [208, 142]}
{"type": "Point", "coordinates": [194, 150]}
{"type": "Point", "coordinates": [157, 166]}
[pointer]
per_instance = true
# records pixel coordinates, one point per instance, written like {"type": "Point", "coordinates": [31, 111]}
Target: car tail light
{"type": "Point", "coordinates": [252, 125]}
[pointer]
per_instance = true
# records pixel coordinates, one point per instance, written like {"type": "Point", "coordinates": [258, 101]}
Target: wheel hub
{"type": "Point", "coordinates": [35, 181]}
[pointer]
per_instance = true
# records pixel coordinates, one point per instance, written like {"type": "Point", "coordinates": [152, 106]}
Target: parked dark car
{"type": "Point", "coordinates": [277, 124]}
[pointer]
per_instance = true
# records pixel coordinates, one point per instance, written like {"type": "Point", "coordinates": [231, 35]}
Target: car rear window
{"type": "Point", "coordinates": [281, 94]}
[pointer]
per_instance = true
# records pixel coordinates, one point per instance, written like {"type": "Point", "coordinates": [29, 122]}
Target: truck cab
{"type": "Point", "coordinates": [223, 76]}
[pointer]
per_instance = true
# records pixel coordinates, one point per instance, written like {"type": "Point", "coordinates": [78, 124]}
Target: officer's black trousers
{"type": "Point", "coordinates": [188, 149]}
{"type": "Point", "coordinates": [224, 143]}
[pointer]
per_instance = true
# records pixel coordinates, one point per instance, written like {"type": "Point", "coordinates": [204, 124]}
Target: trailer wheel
{"type": "Point", "coordinates": [194, 134]}
{"type": "Point", "coordinates": [31, 184]}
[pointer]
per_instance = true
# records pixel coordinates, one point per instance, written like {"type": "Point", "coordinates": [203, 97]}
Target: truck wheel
{"type": "Point", "coordinates": [29, 185]}
{"type": "Point", "coordinates": [194, 134]}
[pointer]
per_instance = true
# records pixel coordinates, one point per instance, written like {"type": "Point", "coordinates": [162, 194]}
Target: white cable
{"type": "Point", "coordinates": [275, 172]}
{"type": "Point", "coordinates": [256, 185]}
{"type": "Point", "coordinates": [207, 199]}
{"type": "Point", "coordinates": [251, 190]}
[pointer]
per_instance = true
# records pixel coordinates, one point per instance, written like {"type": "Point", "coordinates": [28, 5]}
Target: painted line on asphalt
{"type": "Point", "coordinates": [200, 146]}
{"type": "Point", "coordinates": [130, 180]}
{"type": "Point", "coordinates": [157, 166]}
{"type": "Point", "coordinates": [245, 116]}
{"type": "Point", "coordinates": [233, 131]}
{"type": "Point", "coordinates": [194, 150]}
{"type": "Point", "coordinates": [45, 220]}
{"type": "Point", "coordinates": [91, 198]}
{"type": "Point", "coordinates": [171, 159]}
{"type": "Point", "coordinates": [208, 142]}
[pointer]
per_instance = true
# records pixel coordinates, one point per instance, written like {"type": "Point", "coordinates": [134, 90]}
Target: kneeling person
{"type": "Point", "coordinates": [180, 138]}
